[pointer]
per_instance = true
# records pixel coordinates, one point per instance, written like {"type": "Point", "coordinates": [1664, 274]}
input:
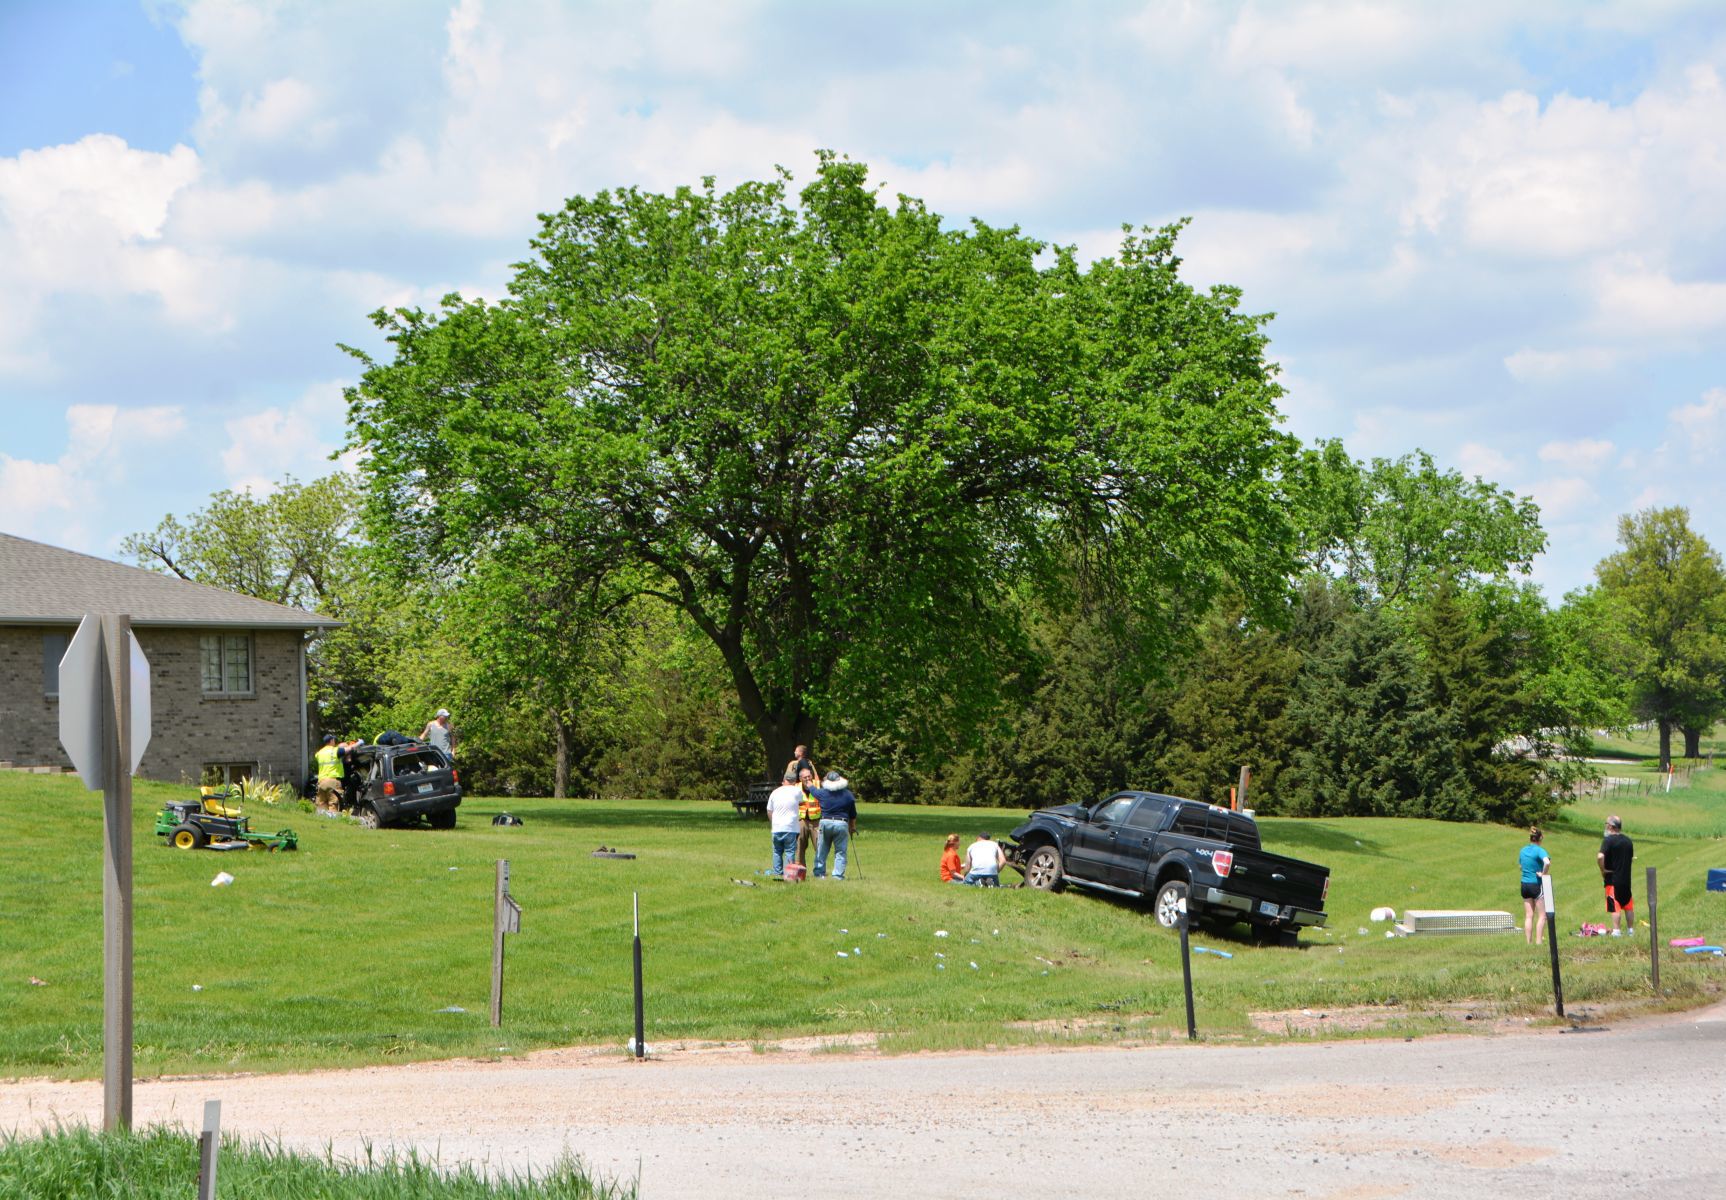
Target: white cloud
{"type": "Point", "coordinates": [1584, 454]}
{"type": "Point", "coordinates": [1540, 366]}
{"type": "Point", "coordinates": [1475, 459]}
{"type": "Point", "coordinates": [297, 439]}
{"type": "Point", "coordinates": [1565, 498]}
{"type": "Point", "coordinates": [103, 441]}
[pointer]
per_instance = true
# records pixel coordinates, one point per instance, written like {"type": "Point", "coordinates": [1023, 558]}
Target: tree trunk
{"type": "Point", "coordinates": [1692, 743]}
{"type": "Point", "coordinates": [560, 778]}
{"type": "Point", "coordinates": [780, 734]}
{"type": "Point", "coordinates": [1665, 743]}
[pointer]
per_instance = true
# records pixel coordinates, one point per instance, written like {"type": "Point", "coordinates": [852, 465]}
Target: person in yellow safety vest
{"type": "Point", "coordinates": [808, 816]}
{"type": "Point", "coordinates": [329, 761]}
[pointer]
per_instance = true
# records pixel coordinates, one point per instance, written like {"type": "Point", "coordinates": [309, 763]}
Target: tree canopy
{"type": "Point", "coordinates": [837, 435]}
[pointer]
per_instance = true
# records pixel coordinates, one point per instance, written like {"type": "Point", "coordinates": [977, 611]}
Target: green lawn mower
{"type": "Point", "coordinates": [212, 823]}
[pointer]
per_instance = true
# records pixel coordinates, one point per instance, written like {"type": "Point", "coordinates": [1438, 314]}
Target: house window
{"type": "Point", "coordinates": [53, 650]}
{"type": "Point", "coordinates": [227, 774]}
{"type": "Point", "coordinates": [227, 663]}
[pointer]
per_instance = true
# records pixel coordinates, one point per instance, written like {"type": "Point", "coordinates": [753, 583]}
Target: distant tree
{"type": "Point", "coordinates": [1669, 589]}
{"type": "Point", "coordinates": [293, 546]}
{"type": "Point", "coordinates": [838, 437]}
{"type": "Point", "coordinates": [1371, 737]}
{"type": "Point", "coordinates": [1392, 528]}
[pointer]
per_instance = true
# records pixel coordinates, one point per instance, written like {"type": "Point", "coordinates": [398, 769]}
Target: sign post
{"type": "Point", "coordinates": [209, 1142]}
{"type": "Point", "coordinates": [1552, 940]}
{"type": "Point", "coordinates": [1187, 970]}
{"type": "Point", "coordinates": [505, 918]}
{"type": "Point", "coordinates": [640, 1020]}
{"type": "Point", "coordinates": [104, 727]}
{"type": "Point", "coordinates": [1653, 933]}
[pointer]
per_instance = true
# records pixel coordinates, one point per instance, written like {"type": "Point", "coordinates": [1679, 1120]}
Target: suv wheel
{"type": "Point", "coordinates": [1043, 869]}
{"type": "Point", "coordinates": [1168, 905]}
{"type": "Point", "coordinates": [368, 816]}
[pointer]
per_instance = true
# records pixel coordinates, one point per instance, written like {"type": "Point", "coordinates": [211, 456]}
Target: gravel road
{"type": "Point", "coordinates": [1638, 1109]}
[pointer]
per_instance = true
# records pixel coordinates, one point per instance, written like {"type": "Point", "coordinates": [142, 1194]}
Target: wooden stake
{"type": "Point", "coordinates": [115, 702]}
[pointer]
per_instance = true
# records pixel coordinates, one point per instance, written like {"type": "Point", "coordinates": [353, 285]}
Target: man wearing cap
{"type": "Point", "coordinates": [782, 805]}
{"type": "Point", "coordinates": [1616, 853]}
{"type": "Point", "coordinates": [438, 733]}
{"type": "Point", "coordinates": [838, 823]}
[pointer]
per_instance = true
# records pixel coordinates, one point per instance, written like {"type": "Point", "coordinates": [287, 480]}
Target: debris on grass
{"type": "Point", "coordinates": [453, 1008]}
{"type": "Point", "coordinates": [940, 933]}
{"type": "Point", "coordinates": [35, 982]}
{"type": "Point", "coordinates": [1208, 950]}
{"type": "Point", "coordinates": [222, 879]}
{"type": "Point", "coordinates": [1384, 913]}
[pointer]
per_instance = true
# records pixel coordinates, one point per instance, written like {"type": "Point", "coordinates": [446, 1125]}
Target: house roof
{"type": "Point", "coordinates": [45, 585]}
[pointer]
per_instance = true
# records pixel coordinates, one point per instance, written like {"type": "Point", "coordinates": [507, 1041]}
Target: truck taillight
{"type": "Point", "coordinates": [389, 789]}
{"type": "Point", "coordinates": [1224, 862]}
{"type": "Point", "coordinates": [1325, 893]}
{"type": "Point", "coordinates": [455, 774]}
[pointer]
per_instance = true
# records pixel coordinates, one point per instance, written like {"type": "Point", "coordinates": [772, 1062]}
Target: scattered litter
{"type": "Point", "coordinates": [453, 1008]}
{"type": "Point", "coordinates": [1716, 951]}
{"type": "Point", "coordinates": [1590, 930]}
{"type": "Point", "coordinates": [504, 818]}
{"type": "Point", "coordinates": [842, 954]}
{"type": "Point", "coordinates": [35, 982]}
{"type": "Point", "coordinates": [857, 950]}
{"type": "Point", "coordinates": [880, 935]}
{"type": "Point", "coordinates": [1043, 960]}
{"type": "Point", "coordinates": [1689, 941]}
{"type": "Point", "coordinates": [995, 932]}
{"type": "Point", "coordinates": [940, 933]}
{"type": "Point", "coordinates": [940, 966]}
{"type": "Point", "coordinates": [1208, 950]}
{"type": "Point", "coordinates": [1390, 933]}
{"type": "Point", "coordinates": [844, 931]}
{"type": "Point", "coordinates": [744, 882]}
{"type": "Point", "coordinates": [938, 954]}
{"type": "Point", "coordinates": [197, 987]}
{"type": "Point", "coordinates": [1384, 913]}
{"type": "Point", "coordinates": [646, 1047]}
{"type": "Point", "coordinates": [455, 868]}
{"type": "Point", "coordinates": [1045, 972]}
{"type": "Point", "coordinates": [976, 941]}
{"type": "Point", "coordinates": [974, 966]}
{"type": "Point", "coordinates": [609, 852]}
{"type": "Point", "coordinates": [222, 879]}
{"type": "Point", "coordinates": [1361, 931]}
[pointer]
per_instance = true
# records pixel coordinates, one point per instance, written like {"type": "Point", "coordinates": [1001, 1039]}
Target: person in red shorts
{"type": "Point", "coordinates": [1616, 853]}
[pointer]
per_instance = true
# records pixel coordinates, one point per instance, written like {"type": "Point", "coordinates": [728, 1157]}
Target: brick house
{"type": "Point", "coordinates": [227, 672]}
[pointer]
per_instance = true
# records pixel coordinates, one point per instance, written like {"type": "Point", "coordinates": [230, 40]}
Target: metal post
{"type": "Point", "coordinates": [640, 1021]}
{"type": "Point", "coordinates": [209, 1141]}
{"type": "Point", "coordinates": [498, 923]}
{"type": "Point", "coordinates": [114, 699]}
{"type": "Point", "coordinates": [1653, 933]}
{"type": "Point", "coordinates": [1552, 940]}
{"type": "Point", "coordinates": [1187, 972]}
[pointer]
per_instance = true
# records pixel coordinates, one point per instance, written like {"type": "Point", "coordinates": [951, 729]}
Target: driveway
{"type": "Point", "coordinates": [1633, 1110]}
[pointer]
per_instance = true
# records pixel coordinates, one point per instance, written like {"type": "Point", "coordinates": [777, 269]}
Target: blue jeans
{"type": "Point", "coordinates": [978, 879]}
{"type": "Point", "coordinates": [784, 847]}
{"type": "Point", "coordinates": [833, 834]}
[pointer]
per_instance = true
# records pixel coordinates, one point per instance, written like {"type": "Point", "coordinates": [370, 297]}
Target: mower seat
{"type": "Point", "coordinates": [214, 803]}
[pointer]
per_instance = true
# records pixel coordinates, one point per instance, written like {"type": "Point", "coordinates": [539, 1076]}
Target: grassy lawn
{"type": "Point", "coordinates": [348, 951]}
{"type": "Point", "coordinates": [1645, 743]}
{"type": "Point", "coordinates": [162, 1164]}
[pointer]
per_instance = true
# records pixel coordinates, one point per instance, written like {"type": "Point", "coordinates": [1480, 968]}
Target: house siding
{"type": "Point", "coordinates": [188, 728]}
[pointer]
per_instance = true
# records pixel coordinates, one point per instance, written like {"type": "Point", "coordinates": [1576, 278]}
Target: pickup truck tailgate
{"type": "Point", "coordinates": [1274, 877]}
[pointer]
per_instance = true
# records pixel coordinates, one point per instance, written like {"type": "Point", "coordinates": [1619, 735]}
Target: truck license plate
{"type": "Point", "coordinates": [1267, 908]}
{"type": "Point", "coordinates": [425, 787]}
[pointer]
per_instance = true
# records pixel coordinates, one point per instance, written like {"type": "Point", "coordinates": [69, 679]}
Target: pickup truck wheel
{"type": "Point", "coordinates": [1043, 869]}
{"type": "Point", "coordinates": [1168, 905]}
{"type": "Point", "coordinates": [367, 816]}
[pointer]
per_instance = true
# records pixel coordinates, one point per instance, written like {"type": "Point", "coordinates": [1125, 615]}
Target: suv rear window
{"type": "Point", "coordinates": [417, 763]}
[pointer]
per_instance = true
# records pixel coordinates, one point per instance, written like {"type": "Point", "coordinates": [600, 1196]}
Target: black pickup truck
{"type": "Point", "coordinates": [1149, 844]}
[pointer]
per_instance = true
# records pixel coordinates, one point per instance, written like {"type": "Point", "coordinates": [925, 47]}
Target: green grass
{"type": "Point", "coordinates": [162, 1164]}
{"type": "Point", "coordinates": [1645, 743]}
{"type": "Point", "coordinates": [345, 952]}
{"type": "Point", "coordinates": [1694, 807]}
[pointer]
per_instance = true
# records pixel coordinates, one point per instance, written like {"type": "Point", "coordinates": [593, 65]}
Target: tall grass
{"type": "Point", "coordinates": [161, 1163]}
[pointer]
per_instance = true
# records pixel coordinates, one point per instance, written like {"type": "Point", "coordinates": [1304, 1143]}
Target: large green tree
{"type": "Point", "coordinates": [1393, 528]}
{"type": "Point", "coordinates": [1667, 587]}
{"type": "Point", "coordinates": [836, 435]}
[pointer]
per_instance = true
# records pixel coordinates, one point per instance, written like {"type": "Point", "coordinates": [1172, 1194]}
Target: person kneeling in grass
{"type": "Point", "coordinates": [952, 867]}
{"type": "Point", "coordinates": [984, 858]}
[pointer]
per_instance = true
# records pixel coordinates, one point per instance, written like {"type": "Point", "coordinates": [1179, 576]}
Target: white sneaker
{"type": "Point", "coordinates": [1617, 933]}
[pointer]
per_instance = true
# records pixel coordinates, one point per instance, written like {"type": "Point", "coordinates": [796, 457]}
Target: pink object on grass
{"type": "Point", "coordinates": [1696, 941]}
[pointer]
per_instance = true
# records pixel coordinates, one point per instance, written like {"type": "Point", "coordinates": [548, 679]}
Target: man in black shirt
{"type": "Point", "coordinates": [1616, 852]}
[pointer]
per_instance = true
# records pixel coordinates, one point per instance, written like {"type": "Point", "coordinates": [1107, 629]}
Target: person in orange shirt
{"type": "Point", "coordinates": [952, 868]}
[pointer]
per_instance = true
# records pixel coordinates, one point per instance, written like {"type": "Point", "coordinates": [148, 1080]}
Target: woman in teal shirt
{"type": "Point", "coordinates": [1535, 862]}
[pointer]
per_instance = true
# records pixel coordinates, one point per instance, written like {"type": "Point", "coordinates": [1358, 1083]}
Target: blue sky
{"type": "Point", "coordinates": [1494, 232]}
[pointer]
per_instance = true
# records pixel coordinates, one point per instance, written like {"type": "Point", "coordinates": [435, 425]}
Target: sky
{"type": "Point", "coordinates": [1495, 232]}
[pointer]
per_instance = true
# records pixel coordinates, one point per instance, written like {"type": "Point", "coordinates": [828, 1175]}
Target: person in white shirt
{"type": "Point", "coordinates": [782, 805]}
{"type": "Point", "coordinates": [983, 863]}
